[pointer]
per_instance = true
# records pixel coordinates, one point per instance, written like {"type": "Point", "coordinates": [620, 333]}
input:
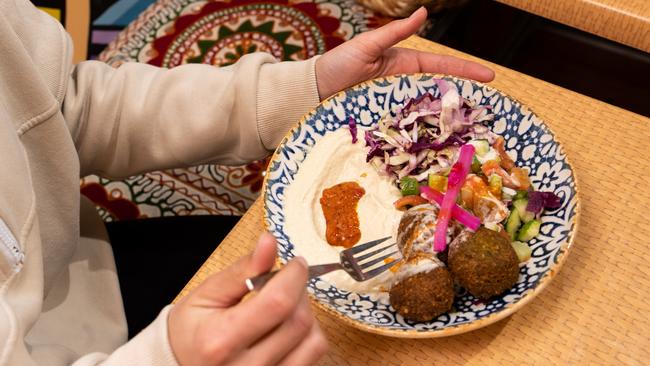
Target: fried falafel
{"type": "Point", "coordinates": [423, 289]}
{"type": "Point", "coordinates": [416, 230]}
{"type": "Point", "coordinates": [484, 262]}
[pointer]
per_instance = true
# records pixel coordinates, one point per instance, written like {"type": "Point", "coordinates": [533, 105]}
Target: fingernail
{"type": "Point", "coordinates": [417, 11]}
{"type": "Point", "coordinates": [256, 250]}
{"type": "Point", "coordinates": [260, 243]}
{"type": "Point", "coordinates": [302, 261]}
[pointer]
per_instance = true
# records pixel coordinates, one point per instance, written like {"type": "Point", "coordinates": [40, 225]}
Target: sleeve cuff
{"type": "Point", "coordinates": [286, 92]}
{"type": "Point", "coordinates": [150, 347]}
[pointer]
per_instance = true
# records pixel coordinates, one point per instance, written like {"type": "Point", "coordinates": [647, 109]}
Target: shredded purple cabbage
{"type": "Point", "coordinates": [538, 201]}
{"type": "Point", "coordinates": [375, 146]}
{"type": "Point", "coordinates": [425, 145]}
{"type": "Point", "coordinates": [423, 137]}
{"type": "Point", "coordinates": [352, 124]}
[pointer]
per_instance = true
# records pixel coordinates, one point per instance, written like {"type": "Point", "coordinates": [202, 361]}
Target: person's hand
{"type": "Point", "coordinates": [213, 326]}
{"type": "Point", "coordinates": [369, 55]}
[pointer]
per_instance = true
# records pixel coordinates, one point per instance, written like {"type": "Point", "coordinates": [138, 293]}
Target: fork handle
{"type": "Point", "coordinates": [256, 283]}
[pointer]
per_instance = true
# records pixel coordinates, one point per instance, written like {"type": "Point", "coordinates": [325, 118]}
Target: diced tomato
{"type": "Point", "coordinates": [477, 197]}
{"type": "Point", "coordinates": [477, 184]}
{"type": "Point", "coordinates": [409, 201]}
{"type": "Point", "coordinates": [473, 188]}
{"type": "Point", "coordinates": [499, 146]}
{"type": "Point", "coordinates": [466, 196]}
{"type": "Point", "coordinates": [510, 181]}
{"type": "Point", "coordinates": [522, 176]}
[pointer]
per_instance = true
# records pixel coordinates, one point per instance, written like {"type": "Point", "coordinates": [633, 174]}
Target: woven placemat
{"type": "Point", "coordinates": [596, 310]}
{"type": "Point", "coordinates": [623, 21]}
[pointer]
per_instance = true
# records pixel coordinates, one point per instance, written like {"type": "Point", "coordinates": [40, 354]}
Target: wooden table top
{"type": "Point", "coordinates": [623, 21]}
{"type": "Point", "coordinates": [597, 308]}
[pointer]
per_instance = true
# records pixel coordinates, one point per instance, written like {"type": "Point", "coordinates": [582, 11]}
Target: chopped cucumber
{"type": "Point", "coordinates": [522, 250]}
{"type": "Point", "coordinates": [491, 155]}
{"type": "Point", "coordinates": [520, 195]}
{"type": "Point", "coordinates": [520, 206]}
{"type": "Point", "coordinates": [529, 230]}
{"type": "Point", "coordinates": [496, 184]}
{"type": "Point", "coordinates": [482, 146]}
{"type": "Point", "coordinates": [409, 186]}
{"type": "Point", "coordinates": [513, 224]}
{"type": "Point", "coordinates": [476, 166]}
{"type": "Point", "coordinates": [438, 182]}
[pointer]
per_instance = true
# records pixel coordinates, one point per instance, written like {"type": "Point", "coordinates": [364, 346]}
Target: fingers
{"type": "Point", "coordinates": [227, 287]}
{"type": "Point", "coordinates": [263, 256]}
{"type": "Point", "coordinates": [283, 339]}
{"type": "Point", "coordinates": [309, 351]}
{"type": "Point", "coordinates": [392, 33]}
{"type": "Point", "coordinates": [429, 62]}
{"type": "Point", "coordinates": [274, 304]}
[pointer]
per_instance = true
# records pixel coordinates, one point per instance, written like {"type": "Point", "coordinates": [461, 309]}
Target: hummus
{"type": "Point", "coordinates": [332, 160]}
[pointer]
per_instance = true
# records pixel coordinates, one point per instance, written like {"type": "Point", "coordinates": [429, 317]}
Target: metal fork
{"type": "Point", "coordinates": [359, 262]}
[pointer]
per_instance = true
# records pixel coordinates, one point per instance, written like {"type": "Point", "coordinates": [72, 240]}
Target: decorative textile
{"type": "Point", "coordinates": [175, 32]}
{"type": "Point", "coordinates": [92, 24]}
{"type": "Point", "coordinates": [109, 18]}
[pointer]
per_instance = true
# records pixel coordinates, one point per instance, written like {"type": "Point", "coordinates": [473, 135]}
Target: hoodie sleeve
{"type": "Point", "coordinates": [138, 117]}
{"type": "Point", "coordinates": [149, 347]}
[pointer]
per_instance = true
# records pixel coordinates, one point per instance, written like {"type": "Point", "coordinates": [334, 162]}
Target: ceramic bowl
{"type": "Point", "coordinates": [528, 140]}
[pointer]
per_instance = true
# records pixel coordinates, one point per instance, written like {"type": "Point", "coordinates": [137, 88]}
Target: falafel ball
{"type": "Point", "coordinates": [416, 230]}
{"type": "Point", "coordinates": [484, 263]}
{"type": "Point", "coordinates": [423, 289]}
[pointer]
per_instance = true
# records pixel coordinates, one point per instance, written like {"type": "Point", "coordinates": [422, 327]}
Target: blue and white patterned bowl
{"type": "Point", "coordinates": [526, 135]}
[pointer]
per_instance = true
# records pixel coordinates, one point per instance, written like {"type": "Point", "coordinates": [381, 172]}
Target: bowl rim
{"type": "Point", "coordinates": [508, 309]}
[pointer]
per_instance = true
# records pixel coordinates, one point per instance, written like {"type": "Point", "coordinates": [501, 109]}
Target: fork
{"type": "Point", "coordinates": [357, 261]}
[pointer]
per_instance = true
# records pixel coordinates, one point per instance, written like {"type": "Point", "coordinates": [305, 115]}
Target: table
{"type": "Point", "coordinates": [596, 310]}
{"type": "Point", "coordinates": [623, 21]}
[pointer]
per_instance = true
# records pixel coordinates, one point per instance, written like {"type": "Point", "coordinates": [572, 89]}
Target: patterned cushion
{"type": "Point", "coordinates": [174, 32]}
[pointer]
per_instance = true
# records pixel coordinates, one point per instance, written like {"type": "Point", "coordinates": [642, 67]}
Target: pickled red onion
{"type": "Point", "coordinates": [457, 212]}
{"type": "Point", "coordinates": [454, 182]}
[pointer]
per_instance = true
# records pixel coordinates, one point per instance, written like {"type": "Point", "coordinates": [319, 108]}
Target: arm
{"type": "Point", "coordinates": [139, 117]}
{"type": "Point", "coordinates": [149, 347]}
{"type": "Point", "coordinates": [217, 325]}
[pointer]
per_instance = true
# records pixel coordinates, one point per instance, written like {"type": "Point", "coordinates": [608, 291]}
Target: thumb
{"type": "Point", "coordinates": [392, 33]}
{"type": "Point", "coordinates": [226, 288]}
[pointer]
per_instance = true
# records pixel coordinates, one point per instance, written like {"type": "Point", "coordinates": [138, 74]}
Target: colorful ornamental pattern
{"type": "Point", "coordinates": [221, 33]}
{"type": "Point", "coordinates": [176, 32]}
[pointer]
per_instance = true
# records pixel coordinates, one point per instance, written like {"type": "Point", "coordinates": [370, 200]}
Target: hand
{"type": "Point", "coordinates": [213, 326]}
{"type": "Point", "coordinates": [369, 56]}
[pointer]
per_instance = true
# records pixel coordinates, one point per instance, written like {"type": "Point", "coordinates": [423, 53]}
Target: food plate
{"type": "Point", "coordinates": [527, 138]}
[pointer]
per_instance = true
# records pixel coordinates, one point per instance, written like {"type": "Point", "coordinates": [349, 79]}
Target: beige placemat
{"type": "Point", "coordinates": [623, 21]}
{"type": "Point", "coordinates": [596, 311]}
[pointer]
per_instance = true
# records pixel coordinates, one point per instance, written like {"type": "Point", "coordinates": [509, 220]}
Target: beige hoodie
{"type": "Point", "coordinates": [59, 297]}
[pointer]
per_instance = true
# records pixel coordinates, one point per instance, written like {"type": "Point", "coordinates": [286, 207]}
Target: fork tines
{"type": "Point", "coordinates": [370, 244]}
{"type": "Point", "coordinates": [366, 261]}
